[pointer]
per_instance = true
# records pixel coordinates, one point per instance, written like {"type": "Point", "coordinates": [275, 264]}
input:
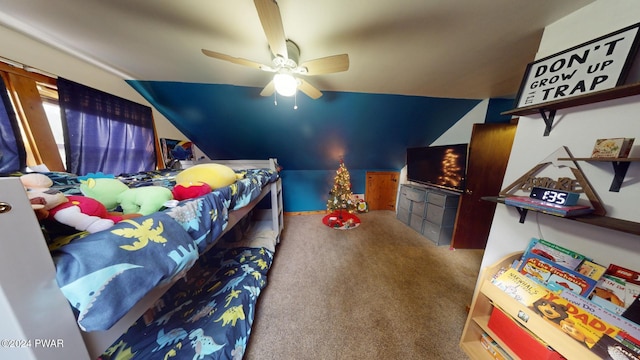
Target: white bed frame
{"type": "Point", "coordinates": [36, 321]}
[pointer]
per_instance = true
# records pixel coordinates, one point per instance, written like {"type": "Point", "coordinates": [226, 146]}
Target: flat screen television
{"type": "Point", "coordinates": [442, 166]}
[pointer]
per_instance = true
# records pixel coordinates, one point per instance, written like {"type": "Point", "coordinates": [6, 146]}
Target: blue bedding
{"type": "Point", "coordinates": [207, 316]}
{"type": "Point", "coordinates": [104, 274]}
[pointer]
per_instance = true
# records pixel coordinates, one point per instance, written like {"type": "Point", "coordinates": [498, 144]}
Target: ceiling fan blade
{"type": "Point", "coordinates": [326, 65]}
{"type": "Point", "coordinates": [236, 60]}
{"type": "Point", "coordinates": [269, 89]}
{"type": "Point", "coordinates": [269, 14]}
{"type": "Point", "coordinates": [309, 89]}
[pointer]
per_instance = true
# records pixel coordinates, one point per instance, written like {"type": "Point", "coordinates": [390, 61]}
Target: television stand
{"type": "Point", "coordinates": [429, 211]}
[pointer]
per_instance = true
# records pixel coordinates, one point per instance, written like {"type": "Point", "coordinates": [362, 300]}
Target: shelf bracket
{"type": "Point", "coordinates": [523, 213]}
{"type": "Point", "coordinates": [620, 170]}
{"type": "Point", "coordinates": [548, 120]}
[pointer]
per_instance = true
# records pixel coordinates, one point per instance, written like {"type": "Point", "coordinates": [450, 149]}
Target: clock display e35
{"type": "Point", "coordinates": [555, 196]}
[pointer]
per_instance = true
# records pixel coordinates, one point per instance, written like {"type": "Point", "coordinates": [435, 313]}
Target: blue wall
{"type": "Point", "coordinates": [369, 131]}
{"type": "Point", "coordinates": [496, 107]}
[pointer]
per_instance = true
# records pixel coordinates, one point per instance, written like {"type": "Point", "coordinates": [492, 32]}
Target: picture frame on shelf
{"type": "Point", "coordinates": [599, 64]}
{"type": "Point", "coordinates": [612, 148]}
{"type": "Point", "coordinates": [176, 153]}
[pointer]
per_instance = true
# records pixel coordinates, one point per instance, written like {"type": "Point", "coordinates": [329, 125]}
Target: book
{"type": "Point", "coordinates": [629, 329]}
{"type": "Point", "coordinates": [556, 253]}
{"type": "Point", "coordinates": [629, 341]}
{"type": "Point", "coordinates": [612, 148]}
{"type": "Point", "coordinates": [591, 269]}
{"type": "Point", "coordinates": [633, 311]}
{"type": "Point", "coordinates": [526, 202]}
{"type": "Point", "coordinates": [519, 287]}
{"type": "Point", "coordinates": [579, 324]}
{"type": "Point", "coordinates": [617, 289]}
{"type": "Point", "coordinates": [610, 293]}
{"type": "Point", "coordinates": [493, 348]}
{"type": "Point", "coordinates": [632, 282]}
{"type": "Point", "coordinates": [610, 349]}
{"type": "Point", "coordinates": [555, 277]}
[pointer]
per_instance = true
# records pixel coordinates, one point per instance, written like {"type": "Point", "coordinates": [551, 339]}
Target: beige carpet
{"type": "Point", "coordinates": [379, 291]}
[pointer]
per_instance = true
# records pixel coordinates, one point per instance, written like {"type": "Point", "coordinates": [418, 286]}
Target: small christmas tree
{"type": "Point", "coordinates": [450, 169]}
{"type": "Point", "coordinates": [340, 196]}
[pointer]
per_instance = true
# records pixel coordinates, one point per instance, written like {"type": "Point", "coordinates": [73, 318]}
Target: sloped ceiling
{"type": "Point", "coordinates": [466, 49]}
{"type": "Point", "coordinates": [416, 68]}
{"type": "Point", "coordinates": [370, 131]}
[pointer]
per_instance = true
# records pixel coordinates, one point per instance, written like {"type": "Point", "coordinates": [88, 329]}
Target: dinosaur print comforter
{"type": "Point", "coordinates": [208, 315]}
{"type": "Point", "coordinates": [105, 273]}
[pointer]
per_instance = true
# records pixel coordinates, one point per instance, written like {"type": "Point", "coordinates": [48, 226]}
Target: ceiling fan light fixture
{"type": "Point", "coordinates": [285, 58]}
{"type": "Point", "coordinates": [285, 84]}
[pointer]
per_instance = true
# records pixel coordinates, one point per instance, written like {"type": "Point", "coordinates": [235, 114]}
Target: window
{"type": "Point", "coordinates": [42, 127]}
{"type": "Point", "coordinates": [53, 115]}
{"type": "Point", "coordinates": [25, 94]}
{"type": "Point", "coordinates": [49, 96]}
{"type": "Point", "coordinates": [105, 133]}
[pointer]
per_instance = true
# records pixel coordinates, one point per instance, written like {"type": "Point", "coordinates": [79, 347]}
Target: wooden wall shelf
{"type": "Point", "coordinates": [625, 226]}
{"type": "Point", "coordinates": [598, 96]}
{"type": "Point", "coordinates": [548, 110]}
{"type": "Point", "coordinates": [620, 167]}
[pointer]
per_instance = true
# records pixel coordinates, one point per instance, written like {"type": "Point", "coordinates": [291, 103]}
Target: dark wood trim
{"type": "Point", "coordinates": [598, 96]}
{"type": "Point", "coordinates": [625, 226]}
{"type": "Point", "coordinates": [39, 141]}
{"type": "Point", "coordinates": [28, 74]}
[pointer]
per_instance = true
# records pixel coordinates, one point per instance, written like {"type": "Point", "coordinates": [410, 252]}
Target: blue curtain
{"type": "Point", "coordinates": [12, 153]}
{"type": "Point", "coordinates": [105, 133]}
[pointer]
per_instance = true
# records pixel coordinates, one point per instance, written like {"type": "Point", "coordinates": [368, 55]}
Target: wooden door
{"type": "Point", "coordinates": [489, 151]}
{"type": "Point", "coordinates": [381, 190]}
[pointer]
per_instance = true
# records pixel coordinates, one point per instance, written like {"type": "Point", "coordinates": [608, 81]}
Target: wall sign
{"type": "Point", "coordinates": [596, 65]}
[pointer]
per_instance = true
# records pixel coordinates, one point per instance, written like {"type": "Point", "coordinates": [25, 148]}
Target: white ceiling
{"type": "Point", "coordinates": [441, 48]}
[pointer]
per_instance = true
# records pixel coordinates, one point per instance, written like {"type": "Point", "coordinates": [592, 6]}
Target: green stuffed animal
{"type": "Point", "coordinates": [113, 193]}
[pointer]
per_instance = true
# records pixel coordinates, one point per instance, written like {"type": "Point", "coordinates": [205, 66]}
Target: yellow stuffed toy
{"type": "Point", "coordinates": [214, 175]}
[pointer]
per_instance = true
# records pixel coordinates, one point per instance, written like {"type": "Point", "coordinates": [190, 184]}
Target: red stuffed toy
{"type": "Point", "coordinates": [83, 213]}
{"type": "Point", "coordinates": [183, 192]}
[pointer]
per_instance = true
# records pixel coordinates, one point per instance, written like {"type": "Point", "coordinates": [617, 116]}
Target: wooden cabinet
{"type": "Point", "coordinates": [381, 190]}
{"type": "Point", "coordinates": [487, 296]}
{"type": "Point", "coordinates": [429, 211]}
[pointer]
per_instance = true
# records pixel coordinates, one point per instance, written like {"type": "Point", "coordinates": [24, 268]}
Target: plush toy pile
{"type": "Point", "coordinates": [79, 212]}
{"type": "Point", "coordinates": [106, 200]}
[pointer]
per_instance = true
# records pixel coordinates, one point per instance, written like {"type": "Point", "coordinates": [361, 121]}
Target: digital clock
{"type": "Point", "coordinates": [555, 196]}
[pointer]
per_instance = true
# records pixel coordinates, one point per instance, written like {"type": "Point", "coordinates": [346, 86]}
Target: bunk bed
{"type": "Point", "coordinates": [37, 310]}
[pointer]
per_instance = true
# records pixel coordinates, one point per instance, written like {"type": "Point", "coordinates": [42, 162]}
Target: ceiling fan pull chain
{"type": "Point", "coordinates": [295, 100]}
{"type": "Point", "coordinates": [275, 98]}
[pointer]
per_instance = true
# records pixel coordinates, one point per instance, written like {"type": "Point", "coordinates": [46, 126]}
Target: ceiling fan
{"type": "Point", "coordinates": [286, 56]}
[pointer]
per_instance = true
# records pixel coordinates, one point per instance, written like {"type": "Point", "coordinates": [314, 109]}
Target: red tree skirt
{"type": "Point", "coordinates": [341, 220]}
